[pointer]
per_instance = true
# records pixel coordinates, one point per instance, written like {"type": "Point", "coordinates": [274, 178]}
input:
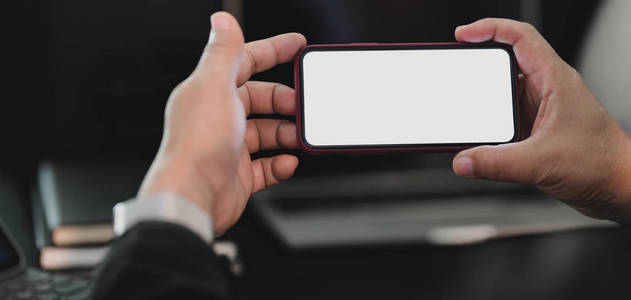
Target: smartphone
{"type": "Point", "coordinates": [380, 98]}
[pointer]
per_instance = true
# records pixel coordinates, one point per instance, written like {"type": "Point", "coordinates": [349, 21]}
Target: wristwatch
{"type": "Point", "coordinates": [164, 207]}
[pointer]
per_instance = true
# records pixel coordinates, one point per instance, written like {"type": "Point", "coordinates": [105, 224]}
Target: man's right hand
{"type": "Point", "coordinates": [574, 150]}
{"type": "Point", "coordinates": [205, 154]}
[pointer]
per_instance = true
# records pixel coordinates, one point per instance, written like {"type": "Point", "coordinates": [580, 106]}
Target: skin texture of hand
{"type": "Point", "coordinates": [205, 150]}
{"type": "Point", "coordinates": [574, 150]}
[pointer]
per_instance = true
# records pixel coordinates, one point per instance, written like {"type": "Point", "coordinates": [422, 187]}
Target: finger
{"type": "Point", "coordinates": [509, 162]}
{"type": "Point", "coordinates": [532, 51]}
{"type": "Point", "coordinates": [265, 134]}
{"type": "Point", "coordinates": [527, 108]}
{"type": "Point", "coordinates": [525, 121]}
{"type": "Point", "coordinates": [521, 84]}
{"type": "Point", "coordinates": [222, 56]}
{"type": "Point", "coordinates": [272, 170]}
{"type": "Point", "coordinates": [267, 98]}
{"type": "Point", "coordinates": [263, 54]}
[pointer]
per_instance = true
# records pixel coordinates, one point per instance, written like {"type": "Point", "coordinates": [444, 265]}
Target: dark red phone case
{"type": "Point", "coordinates": [381, 149]}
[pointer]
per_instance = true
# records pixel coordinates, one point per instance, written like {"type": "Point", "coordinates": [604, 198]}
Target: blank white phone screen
{"type": "Point", "coordinates": [403, 97]}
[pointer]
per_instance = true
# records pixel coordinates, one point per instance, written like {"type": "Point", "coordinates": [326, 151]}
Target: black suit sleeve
{"type": "Point", "coordinates": [157, 260]}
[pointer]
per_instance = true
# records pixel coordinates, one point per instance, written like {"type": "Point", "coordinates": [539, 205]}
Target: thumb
{"type": "Point", "coordinates": [510, 162]}
{"type": "Point", "coordinates": [222, 56]}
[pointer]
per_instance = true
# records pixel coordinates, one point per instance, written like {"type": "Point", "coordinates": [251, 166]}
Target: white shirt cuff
{"type": "Point", "coordinates": [165, 208]}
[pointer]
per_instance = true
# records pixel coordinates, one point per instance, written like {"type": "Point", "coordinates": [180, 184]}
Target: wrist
{"type": "Point", "coordinates": [621, 187]}
{"type": "Point", "coordinates": [177, 176]}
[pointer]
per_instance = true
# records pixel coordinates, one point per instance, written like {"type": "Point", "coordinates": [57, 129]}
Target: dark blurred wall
{"type": "Point", "coordinates": [565, 23]}
{"type": "Point", "coordinates": [113, 65]}
{"type": "Point", "coordinates": [90, 79]}
{"type": "Point", "coordinates": [562, 22]}
{"type": "Point", "coordinates": [24, 82]}
{"type": "Point", "coordinates": [352, 21]}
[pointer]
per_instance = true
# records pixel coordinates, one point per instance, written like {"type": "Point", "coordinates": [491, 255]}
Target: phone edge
{"type": "Point", "coordinates": [305, 147]}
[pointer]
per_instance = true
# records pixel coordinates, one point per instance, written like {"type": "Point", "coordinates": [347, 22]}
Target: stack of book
{"type": "Point", "coordinates": [72, 210]}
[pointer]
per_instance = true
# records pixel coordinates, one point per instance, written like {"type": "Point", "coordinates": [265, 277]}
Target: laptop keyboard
{"type": "Point", "coordinates": [34, 284]}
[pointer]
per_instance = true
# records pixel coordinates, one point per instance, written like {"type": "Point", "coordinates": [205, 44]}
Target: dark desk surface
{"type": "Point", "coordinates": [585, 264]}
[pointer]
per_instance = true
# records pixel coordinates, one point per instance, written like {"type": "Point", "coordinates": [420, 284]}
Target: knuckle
{"type": "Point", "coordinates": [219, 46]}
{"type": "Point", "coordinates": [528, 28]}
{"type": "Point", "coordinates": [574, 75]}
{"type": "Point", "coordinates": [485, 165]}
{"type": "Point", "coordinates": [252, 136]}
{"type": "Point", "coordinates": [493, 170]}
{"type": "Point", "coordinates": [535, 175]}
{"type": "Point", "coordinates": [281, 133]}
{"type": "Point", "coordinates": [543, 174]}
{"type": "Point", "coordinates": [179, 91]}
{"type": "Point", "coordinates": [250, 60]}
{"type": "Point", "coordinates": [221, 50]}
{"type": "Point", "coordinates": [181, 87]}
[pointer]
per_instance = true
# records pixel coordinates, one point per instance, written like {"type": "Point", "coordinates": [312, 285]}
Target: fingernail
{"type": "Point", "coordinates": [463, 166]}
{"type": "Point", "coordinates": [458, 27]}
{"type": "Point", "coordinates": [219, 21]}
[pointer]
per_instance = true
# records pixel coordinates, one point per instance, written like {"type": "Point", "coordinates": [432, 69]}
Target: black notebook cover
{"type": "Point", "coordinates": [84, 193]}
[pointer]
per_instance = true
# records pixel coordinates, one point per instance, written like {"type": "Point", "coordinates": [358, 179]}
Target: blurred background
{"type": "Point", "coordinates": [82, 115]}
